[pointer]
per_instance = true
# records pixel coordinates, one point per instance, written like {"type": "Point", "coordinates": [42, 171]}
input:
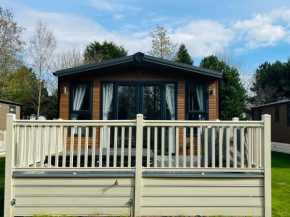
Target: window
{"type": "Point", "coordinates": [81, 102]}
{"type": "Point", "coordinates": [197, 102]}
{"type": "Point", "coordinates": [288, 115]}
{"type": "Point", "coordinates": [259, 114]}
{"type": "Point", "coordinates": [12, 109]}
{"type": "Point", "coordinates": [277, 114]}
{"type": "Point", "coordinates": [123, 100]}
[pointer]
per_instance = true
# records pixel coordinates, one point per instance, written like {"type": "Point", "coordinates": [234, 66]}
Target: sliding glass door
{"type": "Point", "coordinates": [151, 105]}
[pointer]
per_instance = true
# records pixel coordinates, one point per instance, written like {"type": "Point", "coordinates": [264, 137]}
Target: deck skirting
{"type": "Point", "coordinates": [187, 196]}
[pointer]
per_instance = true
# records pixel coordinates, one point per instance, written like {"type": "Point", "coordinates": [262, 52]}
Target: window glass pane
{"type": "Point", "coordinates": [126, 102]}
{"type": "Point", "coordinates": [12, 109]}
{"type": "Point", "coordinates": [107, 101]}
{"type": "Point", "coordinates": [196, 97]}
{"type": "Point", "coordinates": [81, 96]}
{"type": "Point", "coordinates": [152, 102]}
{"type": "Point", "coordinates": [170, 98]}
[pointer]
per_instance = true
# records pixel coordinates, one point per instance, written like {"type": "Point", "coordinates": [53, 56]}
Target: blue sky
{"type": "Point", "coordinates": [256, 31]}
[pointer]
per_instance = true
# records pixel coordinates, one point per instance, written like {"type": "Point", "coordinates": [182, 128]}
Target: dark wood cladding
{"type": "Point", "coordinates": [280, 132]}
{"type": "Point", "coordinates": [139, 74]}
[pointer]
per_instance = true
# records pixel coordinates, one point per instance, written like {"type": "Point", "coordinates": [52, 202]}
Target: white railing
{"type": "Point", "coordinates": [139, 146]}
{"type": "Point", "coordinates": [74, 144]}
{"type": "Point", "coordinates": [234, 146]}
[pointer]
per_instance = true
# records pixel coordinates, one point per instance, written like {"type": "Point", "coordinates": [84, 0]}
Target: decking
{"type": "Point", "coordinates": [62, 168]}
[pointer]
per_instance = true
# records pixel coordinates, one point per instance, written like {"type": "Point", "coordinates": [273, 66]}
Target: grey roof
{"type": "Point", "coordinates": [273, 103]}
{"type": "Point", "coordinates": [9, 102]}
{"type": "Point", "coordinates": [139, 59]}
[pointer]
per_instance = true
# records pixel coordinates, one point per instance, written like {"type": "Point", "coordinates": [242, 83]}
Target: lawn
{"type": "Point", "coordinates": [280, 184]}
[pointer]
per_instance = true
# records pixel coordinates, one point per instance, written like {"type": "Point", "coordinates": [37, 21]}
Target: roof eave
{"type": "Point", "coordinates": [136, 59]}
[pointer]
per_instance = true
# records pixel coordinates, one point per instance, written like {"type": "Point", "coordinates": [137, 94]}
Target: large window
{"type": "Point", "coordinates": [81, 102]}
{"type": "Point", "coordinates": [277, 114]}
{"type": "Point", "coordinates": [196, 101]}
{"type": "Point", "coordinates": [123, 100]}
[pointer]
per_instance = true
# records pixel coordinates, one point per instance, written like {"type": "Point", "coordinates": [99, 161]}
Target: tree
{"type": "Point", "coordinates": [161, 45]}
{"type": "Point", "coordinates": [275, 76]}
{"type": "Point", "coordinates": [183, 55]}
{"type": "Point", "coordinates": [42, 44]}
{"type": "Point", "coordinates": [246, 74]}
{"type": "Point", "coordinates": [232, 93]}
{"type": "Point", "coordinates": [21, 86]}
{"type": "Point", "coordinates": [97, 52]}
{"type": "Point", "coordinates": [11, 44]}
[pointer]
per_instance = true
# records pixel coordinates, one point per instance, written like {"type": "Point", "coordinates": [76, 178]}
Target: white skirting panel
{"type": "Point", "coordinates": [281, 147]}
{"type": "Point", "coordinates": [73, 196]}
{"type": "Point", "coordinates": [200, 196]}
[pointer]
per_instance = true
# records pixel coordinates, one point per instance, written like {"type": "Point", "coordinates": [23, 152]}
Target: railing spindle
{"type": "Point", "coordinates": [177, 147]}
{"type": "Point", "coordinates": [17, 149]}
{"type": "Point", "coordinates": [155, 146]}
{"type": "Point", "coordinates": [191, 147]}
{"type": "Point", "coordinates": [228, 147]}
{"type": "Point", "coordinates": [115, 145]}
{"type": "Point", "coordinates": [86, 147]}
{"type": "Point", "coordinates": [198, 147]}
{"type": "Point", "coordinates": [148, 146]}
{"type": "Point", "coordinates": [34, 144]}
{"type": "Point", "coordinates": [64, 147]}
{"type": "Point", "coordinates": [72, 140]}
{"type": "Point", "coordinates": [260, 147]}
{"type": "Point", "coordinates": [220, 147]}
{"type": "Point", "coordinates": [57, 135]}
{"type": "Point", "coordinates": [130, 147]}
{"type": "Point", "coordinates": [213, 147]}
{"type": "Point", "coordinates": [42, 147]}
{"type": "Point", "coordinates": [257, 151]}
{"type": "Point", "coordinates": [170, 147]}
{"type": "Point", "coordinates": [108, 146]}
{"type": "Point", "coordinates": [162, 146]}
{"type": "Point", "coordinates": [205, 154]}
{"type": "Point", "coordinates": [79, 146]}
{"type": "Point", "coordinates": [122, 145]}
{"type": "Point", "coordinates": [50, 135]}
{"type": "Point", "coordinates": [235, 147]}
{"type": "Point", "coordinates": [249, 137]}
{"type": "Point", "coordinates": [101, 147]}
{"type": "Point", "coordinates": [22, 149]}
{"type": "Point", "coordinates": [184, 147]}
{"type": "Point", "coordinates": [94, 147]}
{"type": "Point", "coordinates": [242, 129]}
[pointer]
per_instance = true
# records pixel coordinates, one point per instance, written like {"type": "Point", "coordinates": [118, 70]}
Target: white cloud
{"type": "Point", "coordinates": [203, 37]}
{"type": "Point", "coordinates": [264, 29]}
{"type": "Point", "coordinates": [112, 7]}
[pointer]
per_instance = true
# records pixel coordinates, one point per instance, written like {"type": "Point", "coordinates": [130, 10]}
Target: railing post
{"type": "Point", "coordinates": [267, 164]}
{"type": "Point", "coordinates": [138, 165]}
{"type": "Point", "coordinates": [9, 162]}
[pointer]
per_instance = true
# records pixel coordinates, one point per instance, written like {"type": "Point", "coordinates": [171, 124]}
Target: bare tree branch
{"type": "Point", "coordinates": [42, 44]}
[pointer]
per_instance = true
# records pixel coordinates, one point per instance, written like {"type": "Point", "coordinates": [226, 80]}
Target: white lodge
{"type": "Point", "coordinates": [138, 136]}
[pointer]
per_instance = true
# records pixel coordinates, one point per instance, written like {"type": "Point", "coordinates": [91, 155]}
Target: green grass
{"type": "Point", "coordinates": [280, 184]}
